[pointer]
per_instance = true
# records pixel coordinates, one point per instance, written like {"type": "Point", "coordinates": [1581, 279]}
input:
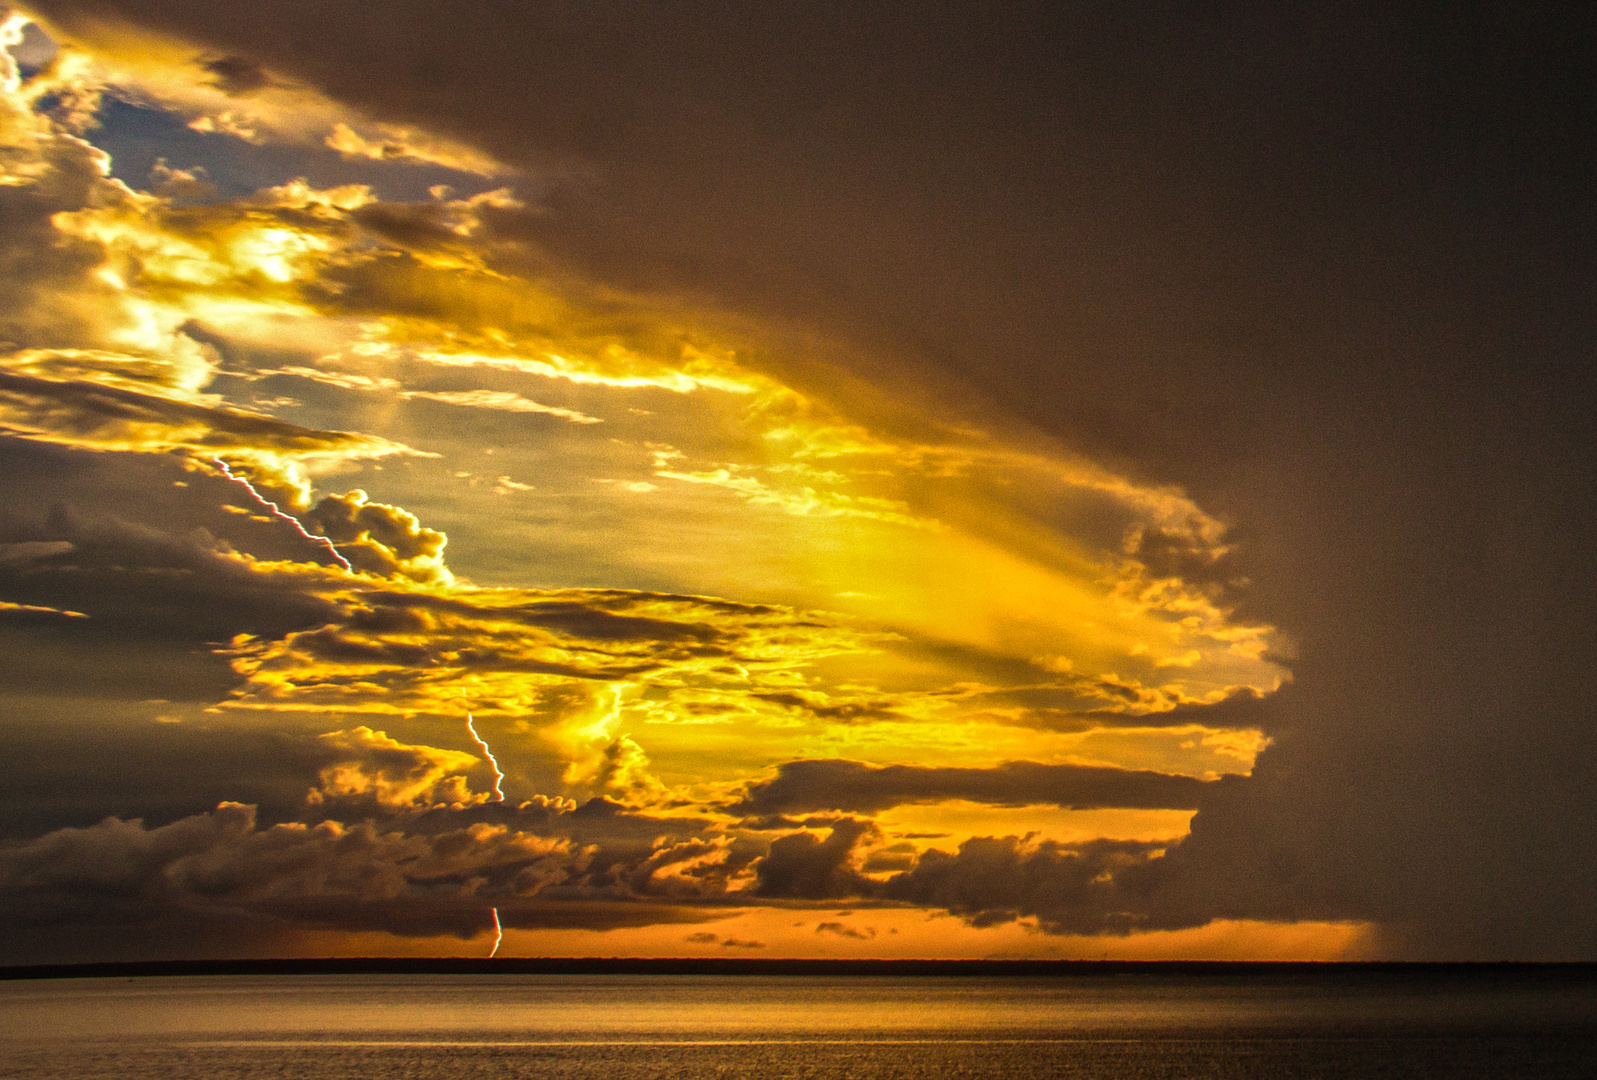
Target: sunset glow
{"type": "Point", "coordinates": [794, 631]}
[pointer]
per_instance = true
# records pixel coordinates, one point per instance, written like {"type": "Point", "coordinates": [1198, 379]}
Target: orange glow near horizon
{"type": "Point", "coordinates": [776, 934]}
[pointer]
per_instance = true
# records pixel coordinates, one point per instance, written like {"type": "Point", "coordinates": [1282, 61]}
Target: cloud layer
{"type": "Point", "coordinates": [779, 431]}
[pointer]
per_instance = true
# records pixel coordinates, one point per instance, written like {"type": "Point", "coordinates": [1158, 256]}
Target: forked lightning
{"type": "Point", "coordinates": [499, 777]}
{"type": "Point", "coordinates": [275, 509]}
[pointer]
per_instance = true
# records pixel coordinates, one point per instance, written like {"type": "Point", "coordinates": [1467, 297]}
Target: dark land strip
{"type": "Point", "coordinates": [1565, 973]}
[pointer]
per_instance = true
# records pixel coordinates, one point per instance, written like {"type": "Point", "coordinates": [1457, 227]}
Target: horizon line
{"type": "Point", "coordinates": [772, 966]}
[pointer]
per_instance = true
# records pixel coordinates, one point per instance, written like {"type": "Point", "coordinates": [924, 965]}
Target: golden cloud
{"type": "Point", "coordinates": [944, 594]}
{"type": "Point", "coordinates": [392, 773]}
{"type": "Point", "coordinates": [406, 650]}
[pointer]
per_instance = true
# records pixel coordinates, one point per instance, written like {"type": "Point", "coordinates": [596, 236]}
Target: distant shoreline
{"type": "Point", "coordinates": [1573, 972]}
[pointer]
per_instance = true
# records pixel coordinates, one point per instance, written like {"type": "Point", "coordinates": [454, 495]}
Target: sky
{"type": "Point", "coordinates": [824, 479]}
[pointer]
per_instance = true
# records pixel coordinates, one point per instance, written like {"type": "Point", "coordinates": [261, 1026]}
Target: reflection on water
{"type": "Point", "coordinates": [1135, 1026]}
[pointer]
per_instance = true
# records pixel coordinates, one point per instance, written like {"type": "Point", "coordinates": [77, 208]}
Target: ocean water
{"type": "Point", "coordinates": [673, 1027]}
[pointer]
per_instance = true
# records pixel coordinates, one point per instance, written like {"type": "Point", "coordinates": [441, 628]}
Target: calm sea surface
{"type": "Point", "coordinates": [1126, 1027]}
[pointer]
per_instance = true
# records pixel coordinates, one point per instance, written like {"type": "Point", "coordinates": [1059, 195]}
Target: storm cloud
{"type": "Point", "coordinates": [1098, 887]}
{"type": "Point", "coordinates": [854, 786]}
{"type": "Point", "coordinates": [1325, 276]}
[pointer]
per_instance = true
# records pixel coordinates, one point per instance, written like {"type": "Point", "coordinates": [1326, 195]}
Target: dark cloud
{"type": "Point", "coordinates": [804, 867]}
{"type": "Point", "coordinates": [466, 918]}
{"type": "Point", "coordinates": [597, 821]}
{"type": "Point", "coordinates": [1163, 552]}
{"type": "Point", "coordinates": [899, 856]}
{"type": "Point", "coordinates": [159, 600]}
{"type": "Point", "coordinates": [603, 613]}
{"type": "Point", "coordinates": [236, 75]}
{"type": "Point", "coordinates": [592, 613]}
{"type": "Point", "coordinates": [844, 711]}
{"type": "Point", "coordinates": [440, 870]}
{"type": "Point", "coordinates": [1075, 703]}
{"type": "Point", "coordinates": [113, 757]}
{"type": "Point", "coordinates": [149, 553]}
{"type": "Point", "coordinates": [624, 854]}
{"type": "Point", "coordinates": [95, 416]}
{"type": "Point", "coordinates": [1097, 887]}
{"type": "Point", "coordinates": [1243, 709]}
{"type": "Point", "coordinates": [854, 786]}
{"type": "Point", "coordinates": [423, 228]}
{"type": "Point", "coordinates": [221, 864]}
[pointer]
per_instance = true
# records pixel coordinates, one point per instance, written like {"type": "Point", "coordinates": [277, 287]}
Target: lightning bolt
{"type": "Point", "coordinates": [498, 776]}
{"type": "Point", "coordinates": [275, 509]}
{"type": "Point", "coordinates": [499, 935]}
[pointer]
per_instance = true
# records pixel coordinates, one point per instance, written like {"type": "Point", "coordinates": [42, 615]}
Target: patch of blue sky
{"type": "Point", "coordinates": [137, 137]}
